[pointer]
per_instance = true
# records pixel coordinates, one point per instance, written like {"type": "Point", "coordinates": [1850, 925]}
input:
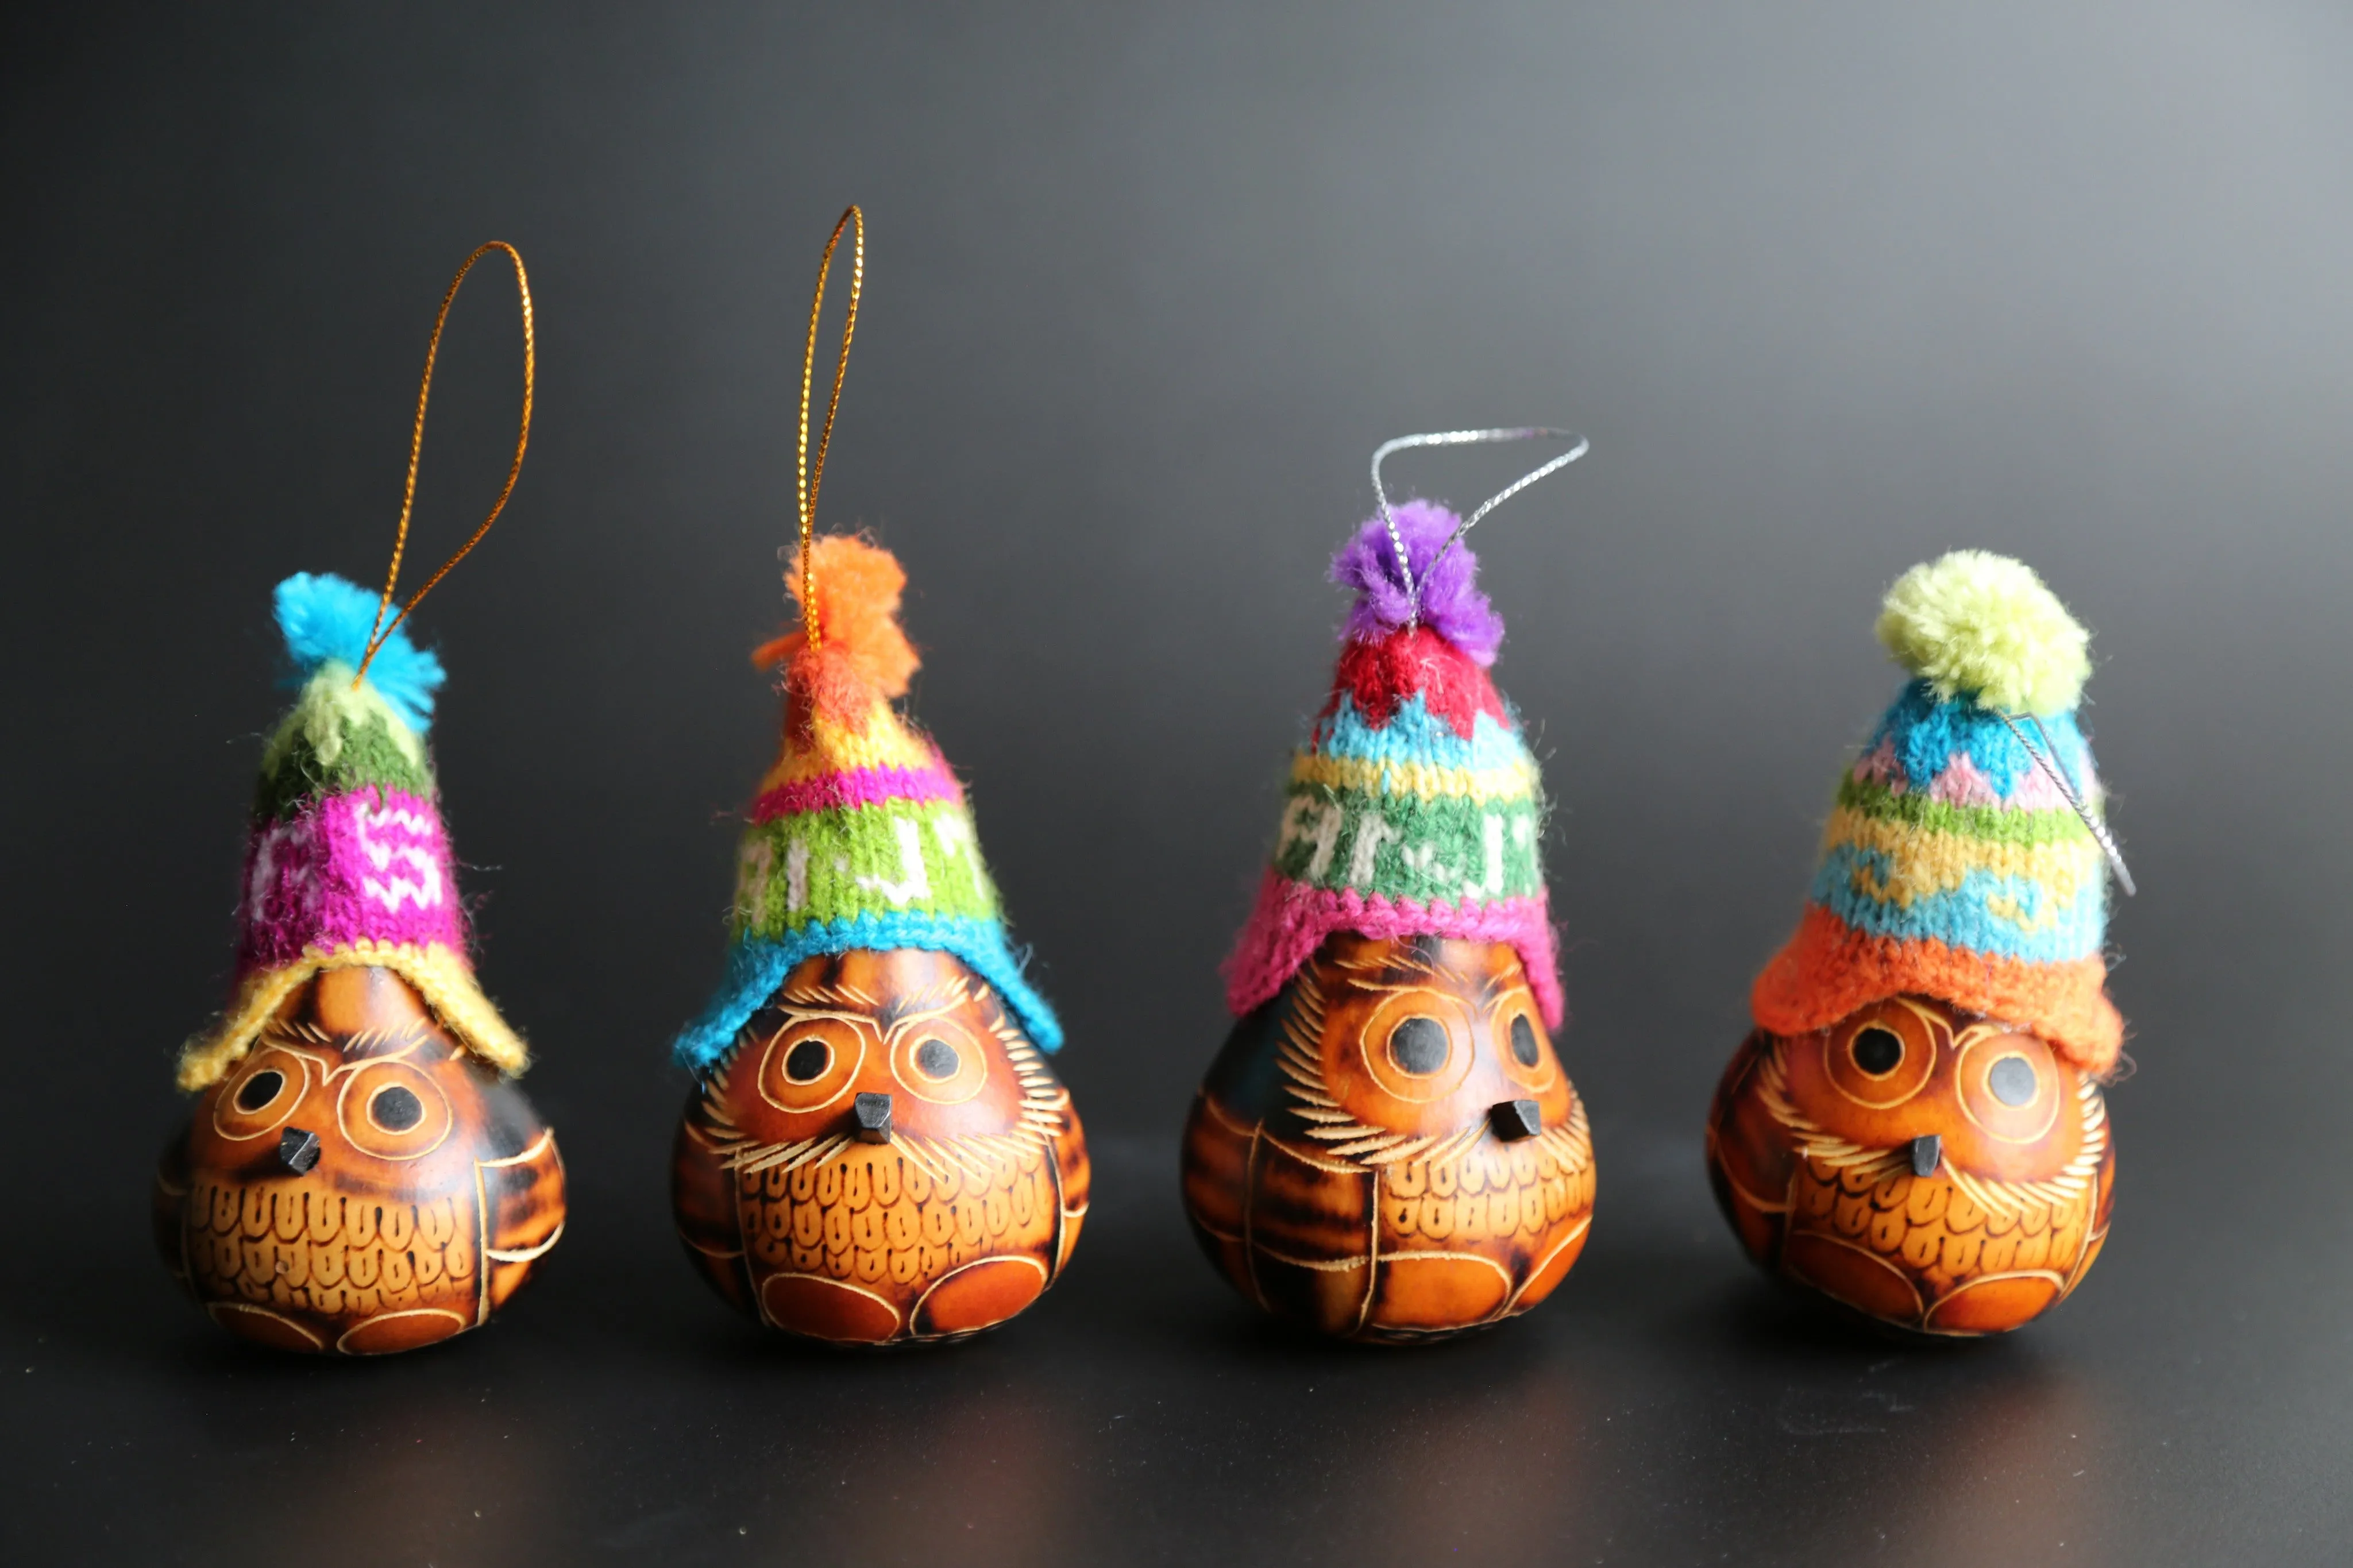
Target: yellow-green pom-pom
{"type": "Point", "coordinates": [1978, 624]}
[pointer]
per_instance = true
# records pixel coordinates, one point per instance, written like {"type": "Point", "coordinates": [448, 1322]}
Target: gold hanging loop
{"type": "Point", "coordinates": [381, 634]}
{"type": "Point", "coordinates": [808, 477]}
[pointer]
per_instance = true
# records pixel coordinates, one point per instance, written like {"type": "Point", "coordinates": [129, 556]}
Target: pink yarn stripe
{"type": "Point", "coordinates": [1291, 922]}
{"type": "Point", "coordinates": [372, 865]}
{"type": "Point", "coordinates": [857, 788]}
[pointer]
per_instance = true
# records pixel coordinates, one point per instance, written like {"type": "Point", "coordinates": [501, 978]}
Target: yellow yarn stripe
{"type": "Point", "coordinates": [1925, 862]}
{"type": "Point", "coordinates": [1371, 777]}
{"type": "Point", "coordinates": [442, 977]}
{"type": "Point", "coordinates": [832, 748]}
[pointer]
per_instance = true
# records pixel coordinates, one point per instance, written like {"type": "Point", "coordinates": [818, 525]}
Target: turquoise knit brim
{"type": "Point", "coordinates": [759, 964]}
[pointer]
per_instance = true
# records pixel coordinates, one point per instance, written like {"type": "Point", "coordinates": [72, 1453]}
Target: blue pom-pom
{"type": "Point", "coordinates": [324, 616]}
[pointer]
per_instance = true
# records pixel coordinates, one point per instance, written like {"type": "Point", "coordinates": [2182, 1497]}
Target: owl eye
{"type": "Point", "coordinates": [2009, 1085]}
{"type": "Point", "coordinates": [395, 1109]}
{"type": "Point", "coordinates": [807, 1063]}
{"type": "Point", "coordinates": [392, 1110]}
{"type": "Point", "coordinates": [2011, 1081]}
{"type": "Point", "coordinates": [259, 1090]}
{"type": "Point", "coordinates": [1417, 1045]}
{"type": "Point", "coordinates": [1880, 1056]}
{"type": "Point", "coordinates": [263, 1095]}
{"type": "Point", "coordinates": [1521, 1044]}
{"type": "Point", "coordinates": [937, 1059]}
{"type": "Point", "coordinates": [1877, 1051]}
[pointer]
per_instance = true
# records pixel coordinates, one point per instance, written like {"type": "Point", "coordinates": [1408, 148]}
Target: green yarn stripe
{"type": "Point", "coordinates": [1992, 822]}
{"type": "Point", "coordinates": [1411, 846]}
{"type": "Point", "coordinates": [300, 772]}
{"type": "Point", "coordinates": [905, 856]}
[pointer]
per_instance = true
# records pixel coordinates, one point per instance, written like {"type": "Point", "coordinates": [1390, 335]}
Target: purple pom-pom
{"type": "Point", "coordinates": [1451, 602]}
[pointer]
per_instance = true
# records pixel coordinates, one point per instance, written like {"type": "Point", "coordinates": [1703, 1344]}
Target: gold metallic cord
{"type": "Point", "coordinates": [381, 634]}
{"type": "Point", "coordinates": [808, 477]}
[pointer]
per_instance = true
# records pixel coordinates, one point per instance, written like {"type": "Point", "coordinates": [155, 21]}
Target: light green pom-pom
{"type": "Point", "coordinates": [1978, 624]}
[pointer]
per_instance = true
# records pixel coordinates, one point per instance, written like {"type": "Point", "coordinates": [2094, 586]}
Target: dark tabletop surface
{"type": "Point", "coordinates": [1831, 291]}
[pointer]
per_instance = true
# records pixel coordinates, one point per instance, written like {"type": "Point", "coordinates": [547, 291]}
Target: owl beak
{"type": "Point", "coordinates": [870, 1116]}
{"type": "Point", "coordinates": [1514, 1120]}
{"type": "Point", "coordinates": [298, 1150]}
{"type": "Point", "coordinates": [1926, 1153]}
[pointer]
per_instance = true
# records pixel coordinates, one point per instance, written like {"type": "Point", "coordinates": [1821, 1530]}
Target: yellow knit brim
{"type": "Point", "coordinates": [441, 976]}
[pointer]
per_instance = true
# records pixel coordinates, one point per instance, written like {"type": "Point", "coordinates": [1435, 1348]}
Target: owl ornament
{"type": "Point", "coordinates": [1915, 1128]}
{"type": "Point", "coordinates": [1387, 1150]}
{"type": "Point", "coordinates": [874, 1151]}
{"type": "Point", "coordinates": [360, 1174]}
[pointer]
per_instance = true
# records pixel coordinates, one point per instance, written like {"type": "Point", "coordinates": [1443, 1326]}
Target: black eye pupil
{"type": "Point", "coordinates": [1876, 1051]}
{"type": "Point", "coordinates": [1418, 1045]}
{"type": "Point", "coordinates": [1524, 1041]}
{"type": "Point", "coordinates": [395, 1109]}
{"type": "Point", "coordinates": [260, 1089]}
{"type": "Point", "coordinates": [807, 1060]}
{"type": "Point", "coordinates": [937, 1058]}
{"type": "Point", "coordinates": [2012, 1081]}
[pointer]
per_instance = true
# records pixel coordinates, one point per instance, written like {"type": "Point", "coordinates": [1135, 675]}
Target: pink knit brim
{"type": "Point", "coordinates": [1291, 922]}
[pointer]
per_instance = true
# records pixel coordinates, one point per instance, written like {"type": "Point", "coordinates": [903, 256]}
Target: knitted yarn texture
{"type": "Point", "coordinates": [859, 836]}
{"type": "Point", "coordinates": [347, 861]}
{"type": "Point", "coordinates": [1953, 865]}
{"type": "Point", "coordinates": [1414, 808]}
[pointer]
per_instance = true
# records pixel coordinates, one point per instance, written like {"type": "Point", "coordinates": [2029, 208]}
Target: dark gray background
{"type": "Point", "coordinates": [1833, 289]}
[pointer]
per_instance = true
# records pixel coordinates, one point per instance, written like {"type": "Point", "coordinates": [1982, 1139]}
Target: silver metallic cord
{"type": "Point", "coordinates": [1464, 438]}
{"type": "Point", "coordinates": [2048, 759]}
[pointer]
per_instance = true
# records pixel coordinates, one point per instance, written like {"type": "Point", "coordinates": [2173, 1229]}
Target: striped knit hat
{"type": "Point", "coordinates": [1414, 809]}
{"type": "Point", "coordinates": [859, 836]}
{"type": "Point", "coordinates": [347, 864]}
{"type": "Point", "coordinates": [1955, 865]}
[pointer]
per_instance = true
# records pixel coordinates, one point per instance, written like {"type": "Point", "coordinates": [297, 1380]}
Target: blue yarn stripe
{"type": "Point", "coordinates": [757, 965]}
{"type": "Point", "coordinates": [1414, 735]}
{"type": "Point", "coordinates": [1928, 733]}
{"type": "Point", "coordinates": [1965, 916]}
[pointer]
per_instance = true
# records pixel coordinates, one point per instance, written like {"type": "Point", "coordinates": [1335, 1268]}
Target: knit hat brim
{"type": "Point", "coordinates": [1291, 921]}
{"type": "Point", "coordinates": [440, 974]}
{"type": "Point", "coordinates": [758, 965]}
{"type": "Point", "coordinates": [1829, 969]}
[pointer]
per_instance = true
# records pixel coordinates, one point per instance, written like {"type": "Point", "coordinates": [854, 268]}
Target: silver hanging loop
{"type": "Point", "coordinates": [2048, 760]}
{"type": "Point", "coordinates": [1464, 438]}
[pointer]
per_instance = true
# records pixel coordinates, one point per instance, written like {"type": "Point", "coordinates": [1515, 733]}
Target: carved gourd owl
{"type": "Point", "coordinates": [358, 1183]}
{"type": "Point", "coordinates": [1915, 1130]}
{"type": "Point", "coordinates": [1389, 1151]}
{"type": "Point", "coordinates": [1934, 1170]}
{"type": "Point", "coordinates": [880, 1156]}
{"type": "Point", "coordinates": [874, 1151]}
{"type": "Point", "coordinates": [360, 1173]}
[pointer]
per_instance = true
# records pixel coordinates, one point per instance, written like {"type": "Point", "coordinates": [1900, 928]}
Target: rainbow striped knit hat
{"type": "Point", "coordinates": [1414, 809]}
{"type": "Point", "coordinates": [347, 864]}
{"type": "Point", "coordinates": [860, 837]}
{"type": "Point", "coordinates": [1955, 865]}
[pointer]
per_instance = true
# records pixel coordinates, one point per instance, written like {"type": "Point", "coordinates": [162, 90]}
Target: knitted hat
{"type": "Point", "coordinates": [1953, 866]}
{"type": "Point", "coordinates": [347, 863]}
{"type": "Point", "coordinates": [859, 836]}
{"type": "Point", "coordinates": [1414, 809]}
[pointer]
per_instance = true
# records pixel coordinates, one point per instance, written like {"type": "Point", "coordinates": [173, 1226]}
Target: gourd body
{"type": "Point", "coordinates": [1389, 1151]}
{"type": "Point", "coordinates": [882, 1157]}
{"type": "Point", "coordinates": [1936, 1172]}
{"type": "Point", "coordinates": [357, 1183]}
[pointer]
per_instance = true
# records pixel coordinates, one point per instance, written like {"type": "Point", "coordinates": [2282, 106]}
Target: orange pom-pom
{"type": "Point", "coordinates": [861, 653]}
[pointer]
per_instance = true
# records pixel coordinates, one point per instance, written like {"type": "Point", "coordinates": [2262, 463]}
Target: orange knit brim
{"type": "Point", "coordinates": [1829, 969]}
